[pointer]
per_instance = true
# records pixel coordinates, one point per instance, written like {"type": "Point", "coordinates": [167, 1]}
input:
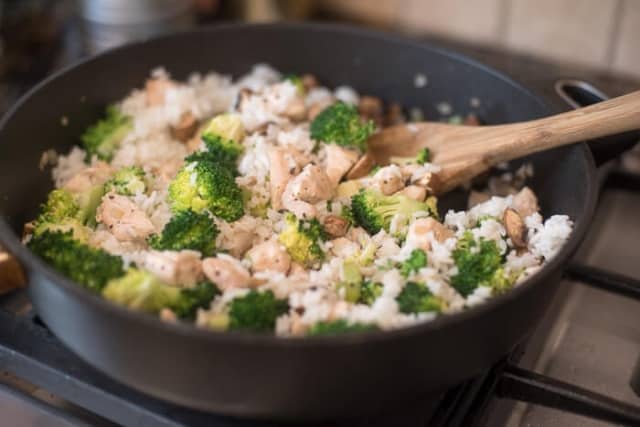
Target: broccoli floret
{"type": "Point", "coordinates": [60, 206]}
{"type": "Point", "coordinates": [346, 213]}
{"type": "Point", "coordinates": [187, 230]}
{"type": "Point", "coordinates": [416, 260]}
{"type": "Point", "coordinates": [88, 266]}
{"type": "Point", "coordinates": [222, 138]}
{"type": "Point", "coordinates": [66, 211]}
{"type": "Point", "coordinates": [256, 311]}
{"type": "Point", "coordinates": [369, 292]}
{"type": "Point", "coordinates": [351, 281]}
{"type": "Point", "coordinates": [302, 240]}
{"type": "Point", "coordinates": [127, 181]}
{"type": "Point", "coordinates": [374, 211]}
{"type": "Point", "coordinates": [340, 326]}
{"type": "Point", "coordinates": [477, 263]}
{"type": "Point", "coordinates": [340, 124]}
{"type": "Point", "coordinates": [417, 298]}
{"type": "Point", "coordinates": [202, 185]}
{"type": "Point", "coordinates": [142, 291]}
{"type": "Point", "coordinates": [421, 158]}
{"type": "Point", "coordinates": [103, 138]}
{"type": "Point", "coordinates": [89, 201]}
{"type": "Point", "coordinates": [78, 231]}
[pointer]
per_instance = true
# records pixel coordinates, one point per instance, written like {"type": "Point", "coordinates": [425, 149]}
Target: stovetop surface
{"type": "Point", "coordinates": [591, 338]}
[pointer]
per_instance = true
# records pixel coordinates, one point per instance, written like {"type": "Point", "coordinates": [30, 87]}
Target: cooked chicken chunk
{"type": "Point", "coordinates": [176, 268]}
{"type": "Point", "coordinates": [226, 272]}
{"type": "Point", "coordinates": [389, 180]}
{"type": "Point", "coordinates": [420, 229]}
{"type": "Point", "coordinates": [312, 185]}
{"type": "Point", "coordinates": [525, 202]}
{"type": "Point", "coordinates": [156, 90]}
{"type": "Point", "coordinates": [282, 168]}
{"type": "Point", "coordinates": [124, 219]}
{"type": "Point", "coordinates": [185, 128]}
{"type": "Point", "coordinates": [339, 161]}
{"type": "Point", "coordinates": [300, 209]}
{"type": "Point", "coordinates": [269, 256]}
{"type": "Point", "coordinates": [87, 178]}
{"type": "Point", "coordinates": [414, 192]}
{"type": "Point", "coordinates": [241, 239]}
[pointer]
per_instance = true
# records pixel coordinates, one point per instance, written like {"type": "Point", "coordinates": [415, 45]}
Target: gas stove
{"type": "Point", "coordinates": [589, 339]}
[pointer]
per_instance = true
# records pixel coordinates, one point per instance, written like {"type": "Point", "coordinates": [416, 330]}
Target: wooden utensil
{"type": "Point", "coordinates": [466, 151]}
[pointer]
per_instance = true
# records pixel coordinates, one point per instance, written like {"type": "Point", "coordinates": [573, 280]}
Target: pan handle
{"type": "Point", "coordinates": [579, 93]}
{"type": "Point", "coordinates": [11, 273]}
{"type": "Point", "coordinates": [526, 386]}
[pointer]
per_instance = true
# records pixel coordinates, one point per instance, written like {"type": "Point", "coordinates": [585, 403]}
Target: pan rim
{"type": "Point", "coordinates": [13, 243]}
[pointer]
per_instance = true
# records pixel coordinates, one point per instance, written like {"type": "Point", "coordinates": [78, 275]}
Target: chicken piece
{"type": "Point", "coordinates": [241, 239]}
{"type": "Point", "coordinates": [312, 185]}
{"type": "Point", "coordinates": [281, 170]}
{"type": "Point", "coordinates": [226, 272]}
{"type": "Point", "coordinates": [300, 209]}
{"type": "Point", "coordinates": [339, 161]}
{"type": "Point", "coordinates": [343, 247]}
{"type": "Point", "coordinates": [362, 167]}
{"type": "Point", "coordinates": [419, 230]}
{"type": "Point", "coordinates": [183, 268]}
{"type": "Point", "coordinates": [89, 177]}
{"type": "Point", "coordinates": [335, 226]}
{"type": "Point", "coordinates": [166, 315]}
{"type": "Point", "coordinates": [296, 110]}
{"type": "Point", "coordinates": [185, 128]}
{"type": "Point", "coordinates": [298, 270]}
{"type": "Point", "coordinates": [156, 90]}
{"type": "Point", "coordinates": [124, 219]}
{"type": "Point", "coordinates": [389, 180]}
{"type": "Point", "coordinates": [269, 256]}
{"type": "Point", "coordinates": [168, 170]}
{"type": "Point", "coordinates": [477, 197]}
{"type": "Point", "coordinates": [414, 192]}
{"type": "Point", "coordinates": [525, 202]}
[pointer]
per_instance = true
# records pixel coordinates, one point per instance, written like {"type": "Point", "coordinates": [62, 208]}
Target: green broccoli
{"type": "Point", "coordinates": [256, 311]}
{"type": "Point", "coordinates": [127, 181]}
{"type": "Point", "coordinates": [222, 138]}
{"type": "Point", "coordinates": [477, 263]}
{"type": "Point", "coordinates": [64, 211]}
{"type": "Point", "coordinates": [340, 326]}
{"type": "Point", "coordinates": [417, 298]}
{"type": "Point", "coordinates": [202, 185]}
{"type": "Point", "coordinates": [142, 291]}
{"type": "Point", "coordinates": [88, 201]}
{"type": "Point", "coordinates": [302, 240]}
{"type": "Point", "coordinates": [103, 138]}
{"type": "Point", "coordinates": [79, 231]}
{"type": "Point", "coordinates": [187, 230]}
{"type": "Point", "coordinates": [416, 260]}
{"type": "Point", "coordinates": [374, 211]}
{"type": "Point", "coordinates": [340, 124]}
{"type": "Point", "coordinates": [88, 266]}
{"type": "Point", "coordinates": [60, 204]}
{"type": "Point", "coordinates": [351, 281]}
{"type": "Point", "coordinates": [421, 158]}
{"type": "Point", "coordinates": [369, 292]}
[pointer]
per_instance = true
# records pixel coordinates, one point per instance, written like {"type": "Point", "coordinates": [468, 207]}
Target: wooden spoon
{"type": "Point", "coordinates": [466, 151]}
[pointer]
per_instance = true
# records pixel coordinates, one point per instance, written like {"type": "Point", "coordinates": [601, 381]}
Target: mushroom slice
{"type": "Point", "coordinates": [515, 227]}
{"type": "Point", "coordinates": [362, 167]}
{"type": "Point", "coordinates": [185, 128]}
{"type": "Point", "coordinates": [335, 226]}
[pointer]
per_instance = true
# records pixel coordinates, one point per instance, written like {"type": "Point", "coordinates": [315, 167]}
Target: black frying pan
{"type": "Point", "coordinates": [254, 375]}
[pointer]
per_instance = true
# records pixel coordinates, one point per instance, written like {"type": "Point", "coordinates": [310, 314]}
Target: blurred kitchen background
{"type": "Point", "coordinates": [599, 35]}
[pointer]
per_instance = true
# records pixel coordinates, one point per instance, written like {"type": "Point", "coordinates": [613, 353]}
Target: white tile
{"type": "Point", "coordinates": [576, 31]}
{"type": "Point", "coordinates": [626, 58]}
{"type": "Point", "coordinates": [476, 20]}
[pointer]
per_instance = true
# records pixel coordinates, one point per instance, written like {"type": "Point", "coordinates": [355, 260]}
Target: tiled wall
{"type": "Point", "coordinates": [603, 34]}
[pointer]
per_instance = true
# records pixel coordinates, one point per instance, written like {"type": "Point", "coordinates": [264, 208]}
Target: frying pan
{"type": "Point", "coordinates": [262, 376]}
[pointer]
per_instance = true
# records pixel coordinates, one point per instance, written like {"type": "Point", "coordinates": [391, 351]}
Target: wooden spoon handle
{"type": "Point", "coordinates": [610, 117]}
